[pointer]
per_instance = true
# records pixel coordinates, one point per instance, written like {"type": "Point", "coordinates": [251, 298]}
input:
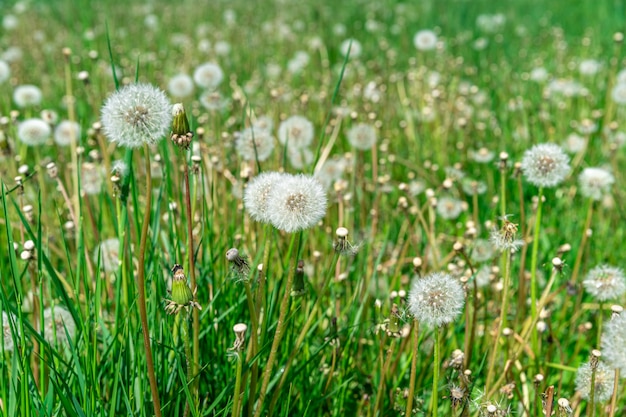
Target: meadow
{"type": "Point", "coordinates": [312, 208]}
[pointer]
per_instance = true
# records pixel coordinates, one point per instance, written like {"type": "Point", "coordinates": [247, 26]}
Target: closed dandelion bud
{"type": "Point", "coordinates": [181, 133]}
{"type": "Point", "coordinates": [181, 295]}
{"type": "Point", "coordinates": [298, 281]}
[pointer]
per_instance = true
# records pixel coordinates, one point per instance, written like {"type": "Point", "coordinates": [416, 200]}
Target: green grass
{"type": "Point", "coordinates": [334, 357]}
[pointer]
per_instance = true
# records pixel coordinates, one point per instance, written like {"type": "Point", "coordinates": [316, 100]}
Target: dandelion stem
{"type": "Point", "coordinates": [592, 393]}
{"type": "Point", "coordinates": [437, 359]}
{"type": "Point", "coordinates": [381, 384]}
{"type": "Point", "coordinates": [267, 372]}
{"type": "Point", "coordinates": [409, 400]}
{"type": "Point", "coordinates": [237, 394]}
{"type": "Point", "coordinates": [533, 270]}
{"type": "Point", "coordinates": [192, 278]}
{"type": "Point", "coordinates": [143, 314]}
{"type": "Point", "coordinates": [502, 322]}
{"type": "Point", "coordinates": [614, 396]}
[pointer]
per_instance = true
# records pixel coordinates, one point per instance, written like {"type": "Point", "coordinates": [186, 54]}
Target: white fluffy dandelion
{"type": "Point", "coordinates": [180, 86]}
{"type": "Point", "coordinates": [331, 171]}
{"type": "Point", "coordinates": [296, 132]}
{"type": "Point", "coordinates": [256, 194]}
{"type": "Point", "coordinates": [27, 95]}
{"type": "Point", "coordinates": [614, 343]}
{"type": "Point", "coordinates": [300, 157]}
{"type": "Point", "coordinates": [436, 299]}
{"type": "Point", "coordinates": [618, 93]}
{"type": "Point", "coordinates": [254, 143]}
{"type": "Point", "coordinates": [208, 75]}
{"type": "Point", "coordinates": [299, 203]}
{"type": "Point", "coordinates": [66, 132]}
{"type": "Point", "coordinates": [362, 136]}
{"type": "Point", "coordinates": [425, 40]}
{"type": "Point", "coordinates": [33, 132]}
{"type": "Point", "coordinates": [545, 165]}
{"type": "Point", "coordinates": [605, 282]}
{"type": "Point", "coordinates": [355, 49]}
{"type": "Point", "coordinates": [449, 208]}
{"type": "Point", "coordinates": [91, 178]}
{"type": "Point", "coordinates": [604, 381]}
{"type": "Point", "coordinates": [58, 325]}
{"type": "Point", "coordinates": [137, 114]}
{"type": "Point", "coordinates": [595, 183]}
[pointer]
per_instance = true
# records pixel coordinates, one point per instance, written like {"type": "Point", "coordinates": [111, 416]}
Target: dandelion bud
{"type": "Point", "coordinates": [298, 289]}
{"type": "Point", "coordinates": [181, 296]}
{"type": "Point", "coordinates": [181, 134]}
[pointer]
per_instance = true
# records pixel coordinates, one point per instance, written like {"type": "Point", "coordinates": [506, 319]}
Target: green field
{"type": "Point", "coordinates": [368, 208]}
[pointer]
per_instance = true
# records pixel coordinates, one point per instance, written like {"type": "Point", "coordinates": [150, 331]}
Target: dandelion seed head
{"type": "Point", "coordinates": [27, 95]}
{"type": "Point", "coordinates": [425, 40]}
{"type": "Point", "coordinates": [604, 381]}
{"type": "Point", "coordinates": [256, 194]}
{"type": "Point", "coordinates": [618, 93]}
{"type": "Point", "coordinates": [253, 138]}
{"type": "Point", "coordinates": [362, 136]}
{"type": "Point", "coordinates": [449, 208]}
{"type": "Point", "coordinates": [109, 252]}
{"type": "Point", "coordinates": [595, 183]}
{"type": "Point", "coordinates": [296, 132]}
{"type": "Point", "coordinates": [135, 115]}
{"type": "Point", "coordinates": [299, 203]}
{"type": "Point", "coordinates": [58, 325]}
{"type": "Point", "coordinates": [545, 165]}
{"type": "Point", "coordinates": [7, 335]}
{"type": "Point", "coordinates": [65, 132]}
{"type": "Point", "coordinates": [614, 343]}
{"type": "Point", "coordinates": [208, 75]}
{"type": "Point", "coordinates": [180, 86]}
{"type": "Point", "coordinates": [33, 132]}
{"type": "Point", "coordinates": [436, 299]}
{"type": "Point", "coordinates": [605, 282]}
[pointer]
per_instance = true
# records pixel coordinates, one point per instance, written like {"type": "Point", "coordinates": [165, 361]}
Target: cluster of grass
{"type": "Point", "coordinates": [332, 335]}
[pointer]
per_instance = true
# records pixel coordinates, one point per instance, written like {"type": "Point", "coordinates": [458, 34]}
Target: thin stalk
{"type": "Point", "coordinates": [184, 332]}
{"type": "Point", "coordinates": [192, 278]}
{"type": "Point", "coordinates": [143, 314]}
{"type": "Point", "coordinates": [533, 270]}
{"type": "Point", "coordinates": [280, 327]}
{"type": "Point", "coordinates": [592, 393]}
{"type": "Point", "coordinates": [381, 384]}
{"type": "Point", "coordinates": [502, 321]}
{"type": "Point", "coordinates": [409, 401]}
{"type": "Point", "coordinates": [583, 242]}
{"type": "Point", "coordinates": [614, 396]}
{"type": "Point", "coordinates": [236, 398]}
{"type": "Point", "coordinates": [437, 359]}
{"type": "Point", "coordinates": [599, 331]}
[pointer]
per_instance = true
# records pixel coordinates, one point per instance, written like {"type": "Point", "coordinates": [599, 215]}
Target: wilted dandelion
{"type": "Point", "coordinates": [299, 203]}
{"type": "Point", "coordinates": [296, 132]}
{"type": "Point", "coordinates": [614, 343]}
{"type": "Point", "coordinates": [436, 299]}
{"type": "Point", "coordinates": [27, 95]}
{"type": "Point", "coordinates": [595, 183]}
{"type": "Point", "coordinates": [505, 238]}
{"type": "Point", "coordinates": [180, 86]}
{"type": "Point", "coordinates": [58, 325]}
{"type": "Point", "coordinates": [545, 165]}
{"type": "Point", "coordinates": [257, 192]}
{"type": "Point", "coordinates": [604, 381]}
{"type": "Point", "coordinates": [254, 144]}
{"type": "Point", "coordinates": [66, 132]}
{"type": "Point", "coordinates": [33, 132]}
{"type": "Point", "coordinates": [208, 75]}
{"type": "Point", "coordinates": [362, 136]}
{"type": "Point", "coordinates": [137, 114]}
